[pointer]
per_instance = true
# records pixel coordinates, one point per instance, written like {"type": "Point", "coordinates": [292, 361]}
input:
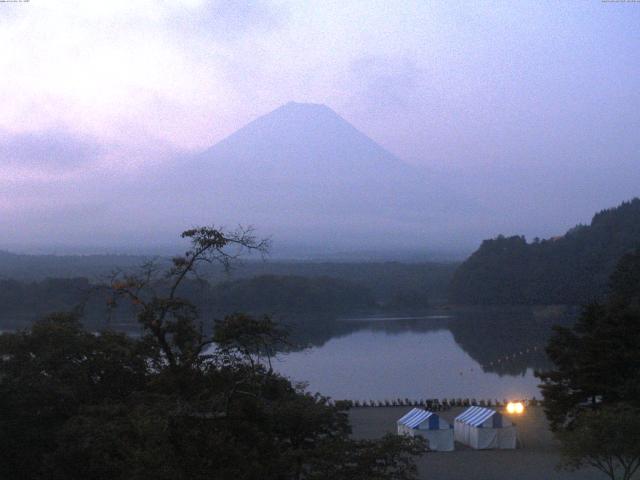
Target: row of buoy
{"type": "Point", "coordinates": [514, 355]}
{"type": "Point", "coordinates": [506, 358]}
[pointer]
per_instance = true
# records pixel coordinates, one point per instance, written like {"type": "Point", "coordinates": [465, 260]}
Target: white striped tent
{"type": "Point", "coordinates": [437, 431]}
{"type": "Point", "coordinates": [483, 428]}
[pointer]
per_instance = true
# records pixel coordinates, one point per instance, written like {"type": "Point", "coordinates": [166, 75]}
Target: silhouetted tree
{"type": "Point", "coordinates": [49, 373]}
{"type": "Point", "coordinates": [607, 439]}
{"type": "Point", "coordinates": [173, 404]}
{"type": "Point", "coordinates": [592, 396]}
{"type": "Point", "coordinates": [597, 361]}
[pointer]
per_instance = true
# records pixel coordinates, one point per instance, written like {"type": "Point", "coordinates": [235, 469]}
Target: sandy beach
{"type": "Point", "coordinates": [535, 459]}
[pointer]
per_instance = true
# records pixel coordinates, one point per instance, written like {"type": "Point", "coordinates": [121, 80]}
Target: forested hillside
{"type": "Point", "coordinates": [275, 294]}
{"type": "Point", "coordinates": [401, 283]}
{"type": "Point", "coordinates": [21, 302]}
{"type": "Point", "coordinates": [571, 269]}
{"type": "Point", "coordinates": [39, 267]}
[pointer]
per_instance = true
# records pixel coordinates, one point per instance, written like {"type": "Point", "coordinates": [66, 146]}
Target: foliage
{"type": "Point", "coordinates": [592, 397]}
{"type": "Point", "coordinates": [598, 359]}
{"type": "Point", "coordinates": [252, 339]}
{"type": "Point", "coordinates": [33, 299]}
{"type": "Point", "coordinates": [282, 294]}
{"type": "Point", "coordinates": [48, 373]}
{"type": "Point", "coordinates": [607, 439]}
{"type": "Point", "coordinates": [392, 457]}
{"type": "Point", "coordinates": [33, 285]}
{"type": "Point", "coordinates": [572, 269]}
{"type": "Point", "coordinates": [268, 293]}
{"type": "Point", "coordinates": [411, 298]}
{"type": "Point", "coordinates": [173, 404]}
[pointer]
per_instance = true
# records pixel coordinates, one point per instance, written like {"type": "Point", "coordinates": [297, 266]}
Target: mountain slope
{"type": "Point", "coordinates": [299, 135]}
{"type": "Point", "coordinates": [572, 269]}
{"type": "Point", "coordinates": [303, 172]}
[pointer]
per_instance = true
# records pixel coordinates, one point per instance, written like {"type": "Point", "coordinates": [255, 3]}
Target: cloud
{"type": "Point", "coordinates": [123, 70]}
{"type": "Point", "coordinates": [94, 92]}
{"type": "Point", "coordinates": [47, 152]}
{"type": "Point", "coordinates": [387, 81]}
{"type": "Point", "coordinates": [229, 20]}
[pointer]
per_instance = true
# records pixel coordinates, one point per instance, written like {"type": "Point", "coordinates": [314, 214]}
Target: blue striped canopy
{"type": "Point", "coordinates": [416, 416]}
{"type": "Point", "coordinates": [475, 416]}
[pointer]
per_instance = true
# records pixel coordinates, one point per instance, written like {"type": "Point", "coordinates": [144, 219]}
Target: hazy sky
{"type": "Point", "coordinates": [534, 104]}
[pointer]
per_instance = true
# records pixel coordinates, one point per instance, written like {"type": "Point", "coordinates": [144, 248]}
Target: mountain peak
{"type": "Point", "coordinates": [301, 133]}
{"type": "Point", "coordinates": [306, 172]}
{"type": "Point", "coordinates": [307, 113]}
{"type": "Point", "coordinates": [305, 107]}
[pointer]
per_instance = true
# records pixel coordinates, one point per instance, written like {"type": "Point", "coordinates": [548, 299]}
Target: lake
{"type": "Point", "coordinates": [477, 353]}
{"type": "Point", "coordinates": [482, 353]}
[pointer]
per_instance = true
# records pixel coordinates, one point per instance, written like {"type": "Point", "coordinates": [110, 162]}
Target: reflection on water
{"type": "Point", "coordinates": [488, 353]}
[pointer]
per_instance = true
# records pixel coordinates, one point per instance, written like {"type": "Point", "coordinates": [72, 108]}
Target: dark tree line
{"type": "Point", "coordinates": [592, 396]}
{"type": "Point", "coordinates": [176, 403]}
{"type": "Point", "coordinates": [572, 269]}
{"type": "Point", "coordinates": [271, 293]}
{"type": "Point", "coordinates": [24, 301]}
{"type": "Point", "coordinates": [387, 281]}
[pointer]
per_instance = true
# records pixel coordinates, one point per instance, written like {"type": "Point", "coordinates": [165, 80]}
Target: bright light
{"type": "Point", "coordinates": [515, 407]}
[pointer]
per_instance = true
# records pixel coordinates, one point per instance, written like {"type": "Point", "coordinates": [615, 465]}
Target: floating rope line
{"type": "Point", "coordinates": [513, 356]}
{"type": "Point", "coordinates": [500, 361]}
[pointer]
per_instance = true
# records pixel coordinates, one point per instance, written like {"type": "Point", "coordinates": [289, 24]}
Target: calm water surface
{"type": "Point", "coordinates": [478, 355]}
